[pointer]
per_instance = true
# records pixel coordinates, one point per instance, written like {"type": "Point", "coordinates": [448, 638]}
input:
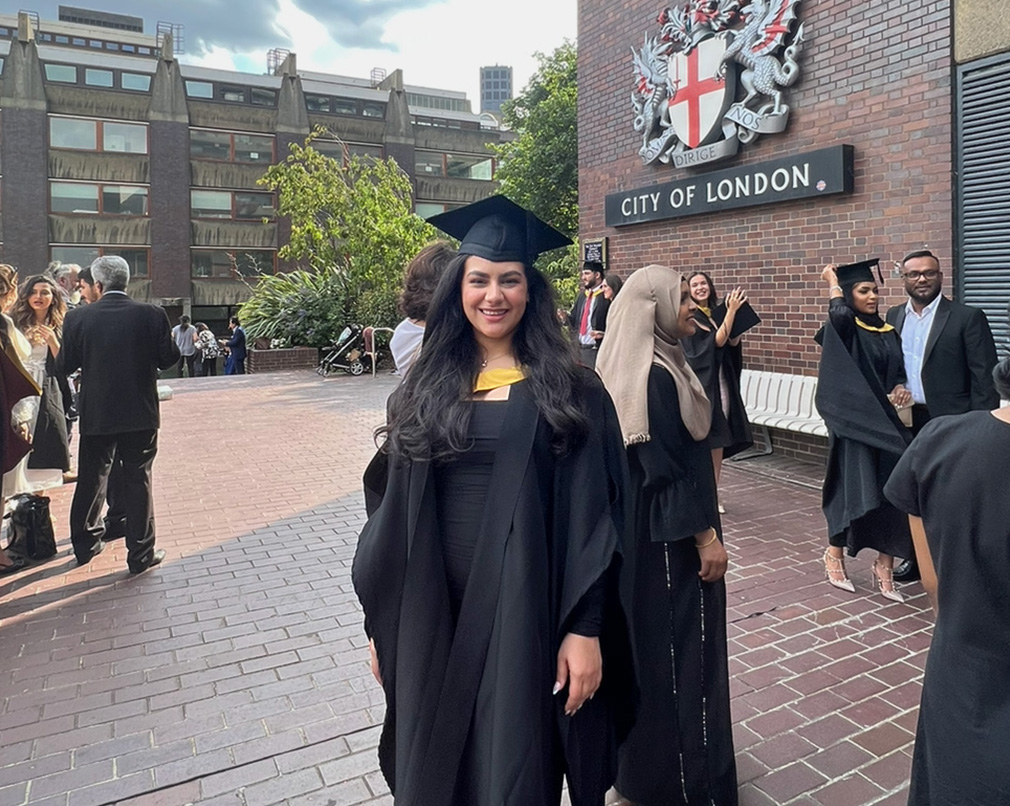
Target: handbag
{"type": "Point", "coordinates": [31, 528]}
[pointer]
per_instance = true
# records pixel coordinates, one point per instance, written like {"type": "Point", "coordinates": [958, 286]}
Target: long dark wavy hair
{"type": "Point", "coordinates": [430, 414]}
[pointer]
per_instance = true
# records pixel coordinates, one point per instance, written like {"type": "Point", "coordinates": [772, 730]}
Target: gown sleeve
{"type": "Point", "coordinates": [843, 320]}
{"type": "Point", "coordinates": [676, 486]}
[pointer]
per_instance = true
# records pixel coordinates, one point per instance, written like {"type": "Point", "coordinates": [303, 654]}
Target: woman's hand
{"type": "Point", "coordinates": [375, 662]}
{"type": "Point", "coordinates": [580, 665]}
{"type": "Point", "coordinates": [900, 396]}
{"type": "Point", "coordinates": [829, 275]}
{"type": "Point", "coordinates": [734, 300]}
{"type": "Point", "coordinates": [24, 432]}
{"type": "Point", "coordinates": [48, 335]}
{"type": "Point", "coordinates": [713, 556]}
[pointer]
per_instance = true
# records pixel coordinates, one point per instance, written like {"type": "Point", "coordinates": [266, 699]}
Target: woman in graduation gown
{"type": "Point", "coordinates": [952, 482]}
{"type": "Point", "coordinates": [717, 360]}
{"type": "Point", "coordinates": [680, 751]}
{"type": "Point", "coordinates": [487, 570]}
{"type": "Point", "coordinates": [860, 383]}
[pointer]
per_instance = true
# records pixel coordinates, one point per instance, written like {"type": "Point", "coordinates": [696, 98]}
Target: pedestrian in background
{"type": "Point", "coordinates": [184, 334]}
{"type": "Point", "coordinates": [119, 345]}
{"type": "Point", "coordinates": [419, 282]}
{"type": "Point", "coordinates": [589, 313]}
{"type": "Point", "coordinates": [208, 349]}
{"type": "Point", "coordinates": [235, 362]}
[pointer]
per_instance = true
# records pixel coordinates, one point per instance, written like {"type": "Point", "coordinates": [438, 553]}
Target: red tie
{"type": "Point", "coordinates": [584, 325]}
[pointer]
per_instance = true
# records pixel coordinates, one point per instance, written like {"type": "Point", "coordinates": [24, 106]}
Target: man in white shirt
{"type": "Point", "coordinates": [588, 316]}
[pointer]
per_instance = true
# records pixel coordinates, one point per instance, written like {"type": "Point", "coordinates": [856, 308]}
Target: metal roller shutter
{"type": "Point", "coordinates": [983, 190]}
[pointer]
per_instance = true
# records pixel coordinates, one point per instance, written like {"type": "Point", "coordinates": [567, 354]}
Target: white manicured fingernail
{"type": "Point", "coordinates": [557, 688]}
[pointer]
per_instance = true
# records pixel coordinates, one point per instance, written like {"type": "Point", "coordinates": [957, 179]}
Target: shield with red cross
{"type": "Point", "coordinates": [702, 96]}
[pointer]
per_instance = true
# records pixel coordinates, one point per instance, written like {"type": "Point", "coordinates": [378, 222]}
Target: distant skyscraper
{"type": "Point", "coordinates": [495, 87]}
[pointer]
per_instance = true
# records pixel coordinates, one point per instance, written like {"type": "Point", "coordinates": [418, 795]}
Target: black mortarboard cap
{"type": "Point", "coordinates": [860, 272]}
{"type": "Point", "coordinates": [499, 230]}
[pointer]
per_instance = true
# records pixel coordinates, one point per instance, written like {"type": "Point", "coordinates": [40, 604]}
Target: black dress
{"type": "Point", "coordinates": [954, 477]}
{"type": "Point", "coordinates": [859, 367]}
{"type": "Point", "coordinates": [680, 751]}
{"type": "Point", "coordinates": [467, 623]}
{"type": "Point", "coordinates": [718, 369]}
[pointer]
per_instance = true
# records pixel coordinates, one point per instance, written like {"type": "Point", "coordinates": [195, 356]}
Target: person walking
{"type": "Point", "coordinates": [119, 345]}
{"type": "Point", "coordinates": [208, 348]}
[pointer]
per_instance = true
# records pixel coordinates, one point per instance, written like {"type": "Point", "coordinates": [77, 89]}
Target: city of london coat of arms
{"type": "Point", "coordinates": [685, 97]}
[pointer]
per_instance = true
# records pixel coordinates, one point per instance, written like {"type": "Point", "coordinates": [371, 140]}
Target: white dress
{"type": "Point", "coordinates": [20, 479]}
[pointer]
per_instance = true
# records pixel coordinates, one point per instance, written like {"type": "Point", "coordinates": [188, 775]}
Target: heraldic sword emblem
{"type": "Point", "coordinates": [687, 76]}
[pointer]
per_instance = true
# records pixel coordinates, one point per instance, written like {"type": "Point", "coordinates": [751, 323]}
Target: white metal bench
{"type": "Point", "coordinates": [780, 400]}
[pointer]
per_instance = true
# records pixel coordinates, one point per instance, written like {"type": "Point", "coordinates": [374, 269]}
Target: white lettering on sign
{"type": "Point", "coordinates": [681, 197]}
{"type": "Point", "coordinates": [755, 184]}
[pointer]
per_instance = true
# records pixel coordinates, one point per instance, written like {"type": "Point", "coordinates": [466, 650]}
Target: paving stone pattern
{"type": "Point", "coordinates": [236, 674]}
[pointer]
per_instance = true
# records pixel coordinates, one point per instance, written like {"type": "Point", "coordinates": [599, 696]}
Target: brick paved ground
{"type": "Point", "coordinates": [236, 673]}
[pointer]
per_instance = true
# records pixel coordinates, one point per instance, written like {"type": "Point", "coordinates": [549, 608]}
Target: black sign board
{"type": "Point", "coordinates": [595, 251]}
{"type": "Point", "coordinates": [825, 172]}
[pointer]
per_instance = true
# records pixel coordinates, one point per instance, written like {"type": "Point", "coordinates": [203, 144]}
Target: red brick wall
{"type": "Point", "coordinates": [274, 360]}
{"type": "Point", "coordinates": [873, 75]}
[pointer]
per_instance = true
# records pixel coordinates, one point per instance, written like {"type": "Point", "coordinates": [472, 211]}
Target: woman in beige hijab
{"type": "Point", "coordinates": [681, 748]}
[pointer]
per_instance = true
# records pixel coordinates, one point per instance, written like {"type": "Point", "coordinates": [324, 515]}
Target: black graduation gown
{"type": "Point", "coordinates": [680, 751]}
{"type": "Point", "coordinates": [50, 444]}
{"type": "Point", "coordinates": [15, 384]}
{"type": "Point", "coordinates": [470, 717]}
{"type": "Point", "coordinates": [857, 371]}
{"type": "Point", "coordinates": [710, 363]}
{"type": "Point", "coordinates": [954, 477]}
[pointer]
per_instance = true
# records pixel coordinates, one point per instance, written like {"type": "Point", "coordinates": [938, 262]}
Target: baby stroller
{"type": "Point", "coordinates": [345, 353]}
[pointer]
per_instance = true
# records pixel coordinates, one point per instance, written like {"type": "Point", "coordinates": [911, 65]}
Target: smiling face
{"type": "Point", "coordinates": [494, 297]}
{"type": "Point", "coordinates": [40, 298]}
{"type": "Point", "coordinates": [923, 279]}
{"type": "Point", "coordinates": [608, 292]}
{"type": "Point", "coordinates": [865, 297]}
{"type": "Point", "coordinates": [699, 289]}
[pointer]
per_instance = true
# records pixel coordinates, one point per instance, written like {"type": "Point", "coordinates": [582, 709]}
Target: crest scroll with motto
{"type": "Point", "coordinates": [713, 77]}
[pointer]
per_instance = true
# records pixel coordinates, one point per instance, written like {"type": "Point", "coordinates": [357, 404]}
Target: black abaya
{"type": "Point", "coordinates": [680, 751]}
{"type": "Point", "coordinates": [954, 477]}
{"type": "Point", "coordinates": [470, 715]}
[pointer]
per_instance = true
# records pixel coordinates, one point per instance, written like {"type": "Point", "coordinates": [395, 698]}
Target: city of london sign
{"type": "Point", "coordinates": [685, 97]}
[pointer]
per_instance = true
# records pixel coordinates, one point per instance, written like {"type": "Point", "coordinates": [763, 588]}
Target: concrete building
{"type": "Point", "coordinates": [495, 88]}
{"type": "Point", "coordinates": [108, 145]}
{"type": "Point", "coordinates": [909, 99]}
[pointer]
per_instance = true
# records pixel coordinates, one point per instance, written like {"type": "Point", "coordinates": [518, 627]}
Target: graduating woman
{"type": "Point", "coordinates": [717, 360]}
{"type": "Point", "coordinates": [487, 569]}
{"type": "Point", "coordinates": [680, 751]}
{"type": "Point", "coordinates": [860, 383]}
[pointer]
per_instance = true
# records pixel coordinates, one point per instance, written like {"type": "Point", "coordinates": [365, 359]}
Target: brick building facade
{"type": "Point", "coordinates": [877, 77]}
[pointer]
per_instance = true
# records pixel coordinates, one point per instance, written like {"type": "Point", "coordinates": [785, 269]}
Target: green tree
{"type": "Point", "coordinates": [353, 227]}
{"type": "Point", "coordinates": [539, 169]}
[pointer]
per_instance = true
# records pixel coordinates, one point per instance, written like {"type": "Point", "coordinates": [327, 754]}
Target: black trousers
{"type": "Point", "coordinates": [189, 361]}
{"type": "Point", "coordinates": [115, 516]}
{"type": "Point", "coordinates": [920, 416]}
{"type": "Point", "coordinates": [97, 453]}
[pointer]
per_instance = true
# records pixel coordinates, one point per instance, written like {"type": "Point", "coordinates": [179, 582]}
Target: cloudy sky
{"type": "Point", "coordinates": [437, 43]}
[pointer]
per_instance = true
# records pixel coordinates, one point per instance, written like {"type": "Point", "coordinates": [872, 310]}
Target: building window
{"type": "Point", "coordinates": [233, 94]}
{"type": "Point", "coordinates": [135, 81]}
{"type": "Point", "coordinates": [373, 110]}
{"type": "Point", "coordinates": [229, 264]}
{"type": "Point", "coordinates": [199, 89]}
{"type": "Point", "coordinates": [205, 144]}
{"type": "Point", "coordinates": [428, 209]}
{"type": "Point", "coordinates": [317, 103]}
{"type": "Point", "coordinates": [345, 106]}
{"type": "Point", "coordinates": [98, 78]}
{"type": "Point", "coordinates": [81, 198]}
{"type": "Point", "coordinates": [262, 97]}
{"type": "Point", "coordinates": [428, 163]}
{"type": "Point", "coordinates": [83, 255]}
{"type": "Point", "coordinates": [468, 166]}
{"type": "Point", "coordinates": [238, 205]}
{"type": "Point", "coordinates": [97, 135]}
{"type": "Point", "coordinates": [62, 73]}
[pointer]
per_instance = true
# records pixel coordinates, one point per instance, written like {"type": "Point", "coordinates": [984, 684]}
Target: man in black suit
{"type": "Point", "coordinates": [588, 317]}
{"type": "Point", "coordinates": [119, 346]}
{"type": "Point", "coordinates": [949, 353]}
{"type": "Point", "coordinates": [235, 365]}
